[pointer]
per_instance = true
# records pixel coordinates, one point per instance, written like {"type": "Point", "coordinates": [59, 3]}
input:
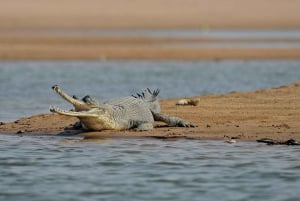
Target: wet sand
{"type": "Point", "coordinates": [269, 113]}
{"type": "Point", "coordinates": [22, 21]}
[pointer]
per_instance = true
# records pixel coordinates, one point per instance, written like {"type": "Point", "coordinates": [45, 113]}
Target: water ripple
{"type": "Point", "coordinates": [145, 169]}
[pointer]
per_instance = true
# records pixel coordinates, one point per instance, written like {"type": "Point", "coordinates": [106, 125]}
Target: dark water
{"type": "Point", "coordinates": [54, 168]}
{"type": "Point", "coordinates": [25, 87]}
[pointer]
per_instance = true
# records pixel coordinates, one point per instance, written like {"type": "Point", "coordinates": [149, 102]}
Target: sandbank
{"type": "Point", "coordinates": [269, 113]}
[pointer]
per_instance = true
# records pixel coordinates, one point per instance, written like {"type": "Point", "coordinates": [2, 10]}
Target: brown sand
{"type": "Point", "coordinates": [16, 14]}
{"type": "Point", "coordinates": [270, 113]}
{"type": "Point", "coordinates": [21, 21]}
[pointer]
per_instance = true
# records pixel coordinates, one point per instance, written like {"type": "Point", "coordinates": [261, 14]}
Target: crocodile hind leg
{"type": "Point", "coordinates": [172, 121]}
{"type": "Point", "coordinates": [140, 125]}
{"type": "Point", "coordinates": [144, 127]}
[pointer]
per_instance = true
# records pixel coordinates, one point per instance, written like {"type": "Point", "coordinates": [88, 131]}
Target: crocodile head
{"type": "Point", "coordinates": [85, 104]}
{"type": "Point", "coordinates": [92, 115]}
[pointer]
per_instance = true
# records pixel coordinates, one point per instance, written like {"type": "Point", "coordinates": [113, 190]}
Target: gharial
{"type": "Point", "coordinates": [133, 112]}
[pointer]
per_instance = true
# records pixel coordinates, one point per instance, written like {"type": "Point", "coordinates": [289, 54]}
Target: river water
{"type": "Point", "coordinates": [59, 168]}
{"type": "Point", "coordinates": [54, 168]}
{"type": "Point", "coordinates": [25, 86]}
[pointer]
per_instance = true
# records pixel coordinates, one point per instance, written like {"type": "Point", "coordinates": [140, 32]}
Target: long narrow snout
{"type": "Point", "coordinates": [78, 104]}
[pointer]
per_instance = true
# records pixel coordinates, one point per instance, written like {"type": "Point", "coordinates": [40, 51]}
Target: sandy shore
{"type": "Point", "coordinates": [19, 47]}
{"type": "Point", "coordinates": [22, 21]}
{"type": "Point", "coordinates": [270, 113]}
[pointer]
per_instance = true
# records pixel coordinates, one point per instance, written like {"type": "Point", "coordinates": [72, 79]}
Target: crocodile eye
{"type": "Point", "coordinates": [86, 99]}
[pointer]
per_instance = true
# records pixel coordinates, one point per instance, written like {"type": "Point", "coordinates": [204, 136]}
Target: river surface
{"type": "Point", "coordinates": [25, 86]}
{"type": "Point", "coordinates": [56, 168]}
{"type": "Point", "coordinates": [59, 168]}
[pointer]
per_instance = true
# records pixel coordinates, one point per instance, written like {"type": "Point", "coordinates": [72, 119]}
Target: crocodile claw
{"type": "Point", "coordinates": [185, 124]}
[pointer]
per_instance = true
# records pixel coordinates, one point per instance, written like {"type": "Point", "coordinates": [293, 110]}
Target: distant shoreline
{"type": "Point", "coordinates": [56, 47]}
{"type": "Point", "coordinates": [17, 16]}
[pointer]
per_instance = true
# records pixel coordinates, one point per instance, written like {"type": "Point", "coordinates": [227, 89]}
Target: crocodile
{"type": "Point", "coordinates": [138, 112]}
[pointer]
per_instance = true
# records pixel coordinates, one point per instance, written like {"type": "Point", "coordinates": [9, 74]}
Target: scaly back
{"type": "Point", "coordinates": [130, 108]}
{"type": "Point", "coordinates": [150, 98]}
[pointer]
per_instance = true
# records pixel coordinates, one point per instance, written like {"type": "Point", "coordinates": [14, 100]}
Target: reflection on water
{"type": "Point", "coordinates": [25, 86]}
{"type": "Point", "coordinates": [54, 168]}
{"type": "Point", "coordinates": [84, 139]}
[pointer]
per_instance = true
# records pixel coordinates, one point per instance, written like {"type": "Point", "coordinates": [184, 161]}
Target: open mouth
{"type": "Point", "coordinates": [78, 104]}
